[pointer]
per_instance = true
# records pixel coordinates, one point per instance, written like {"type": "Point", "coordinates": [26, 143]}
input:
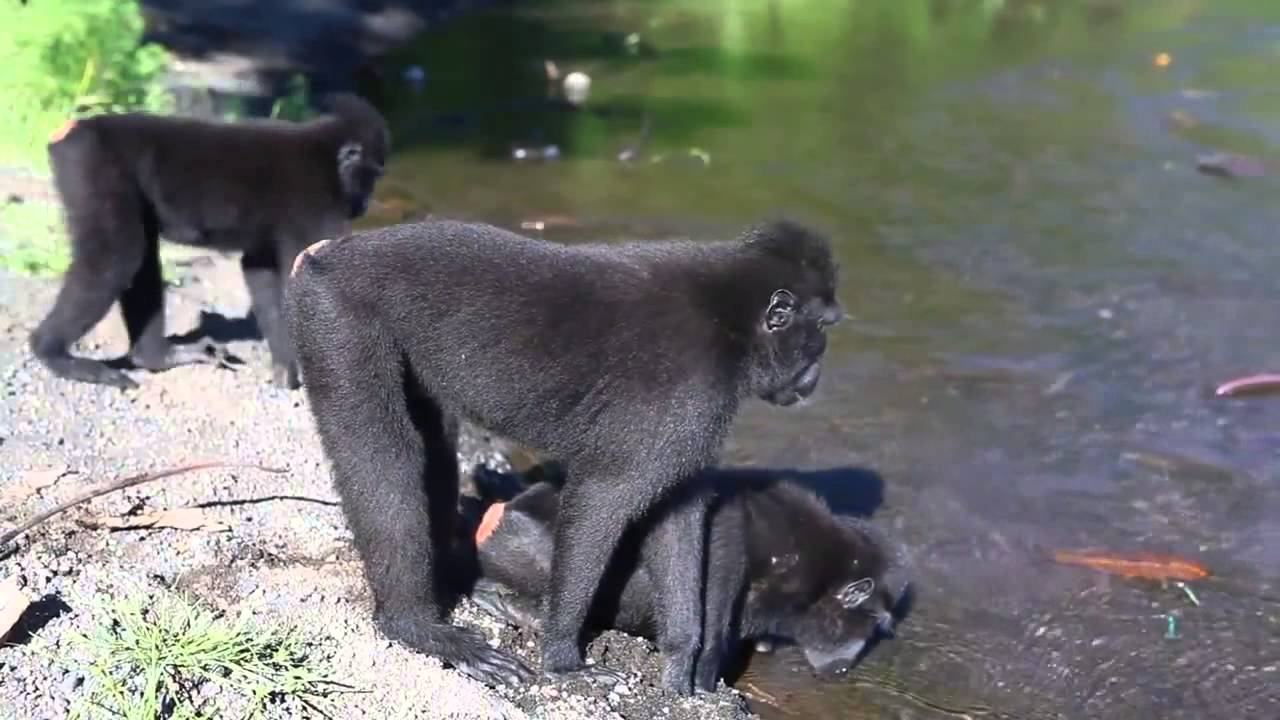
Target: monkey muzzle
{"type": "Point", "coordinates": [800, 387]}
{"type": "Point", "coordinates": [835, 661]}
{"type": "Point", "coordinates": [807, 382]}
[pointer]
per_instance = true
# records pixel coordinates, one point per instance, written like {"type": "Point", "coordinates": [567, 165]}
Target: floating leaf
{"type": "Point", "coordinates": [1138, 565]}
{"type": "Point", "coordinates": [1181, 120]}
{"type": "Point", "coordinates": [1250, 385]}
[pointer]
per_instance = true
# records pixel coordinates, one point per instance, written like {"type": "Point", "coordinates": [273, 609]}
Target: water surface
{"type": "Point", "coordinates": [1043, 291]}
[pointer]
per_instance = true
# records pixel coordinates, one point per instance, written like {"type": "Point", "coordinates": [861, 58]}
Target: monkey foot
{"type": "Point", "coordinates": [678, 678]}
{"type": "Point", "coordinates": [86, 370]}
{"type": "Point", "coordinates": [116, 379]}
{"type": "Point", "coordinates": [285, 376]}
{"type": "Point", "coordinates": [206, 353]}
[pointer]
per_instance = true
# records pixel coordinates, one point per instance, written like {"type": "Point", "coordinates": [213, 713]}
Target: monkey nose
{"type": "Point", "coordinates": [885, 623]}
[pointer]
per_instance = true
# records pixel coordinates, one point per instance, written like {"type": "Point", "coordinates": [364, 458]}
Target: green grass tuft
{"type": "Point", "coordinates": [156, 656]}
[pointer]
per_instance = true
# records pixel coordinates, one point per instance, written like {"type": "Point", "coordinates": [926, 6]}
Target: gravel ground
{"type": "Point", "coordinates": [287, 555]}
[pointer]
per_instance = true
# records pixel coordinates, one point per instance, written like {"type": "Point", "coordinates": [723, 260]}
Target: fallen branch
{"type": "Point", "coordinates": [122, 484]}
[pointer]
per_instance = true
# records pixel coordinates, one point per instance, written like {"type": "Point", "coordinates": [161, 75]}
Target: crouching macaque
{"type": "Point", "coordinates": [780, 567]}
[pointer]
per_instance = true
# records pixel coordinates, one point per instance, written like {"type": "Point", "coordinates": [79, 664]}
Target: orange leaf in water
{"type": "Point", "coordinates": [1139, 565]}
{"type": "Point", "coordinates": [1265, 382]}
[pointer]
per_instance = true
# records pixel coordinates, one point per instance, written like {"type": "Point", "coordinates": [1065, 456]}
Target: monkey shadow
{"type": "Point", "coordinates": [213, 331]}
{"type": "Point", "coordinates": [855, 491]}
{"type": "Point", "coordinates": [852, 491]}
{"type": "Point", "coordinates": [221, 329]}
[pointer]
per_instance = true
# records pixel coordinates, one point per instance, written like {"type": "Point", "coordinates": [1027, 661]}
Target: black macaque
{"type": "Point", "coordinates": [780, 566]}
{"type": "Point", "coordinates": [267, 188]}
{"type": "Point", "coordinates": [626, 362]}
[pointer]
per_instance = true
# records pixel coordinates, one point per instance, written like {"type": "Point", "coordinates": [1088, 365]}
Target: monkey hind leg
{"type": "Point", "coordinates": [383, 455]}
{"type": "Point", "coordinates": [142, 305]}
{"type": "Point", "coordinates": [106, 226]}
{"type": "Point", "coordinates": [85, 297]}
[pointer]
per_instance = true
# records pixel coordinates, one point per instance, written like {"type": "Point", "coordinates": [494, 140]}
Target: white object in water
{"type": "Point", "coordinates": [577, 85]}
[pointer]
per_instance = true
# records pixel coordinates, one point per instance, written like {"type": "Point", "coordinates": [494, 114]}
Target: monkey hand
{"type": "Point", "coordinates": [474, 658]}
{"type": "Point", "coordinates": [463, 649]}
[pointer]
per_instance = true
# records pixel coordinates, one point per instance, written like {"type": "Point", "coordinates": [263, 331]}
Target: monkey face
{"type": "Point", "coordinates": [789, 326]}
{"type": "Point", "coordinates": [360, 165]}
{"type": "Point", "coordinates": [836, 628]}
{"type": "Point", "coordinates": [791, 343]}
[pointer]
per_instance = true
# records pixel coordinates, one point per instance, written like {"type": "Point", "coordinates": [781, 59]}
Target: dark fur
{"type": "Point", "coordinates": [777, 560]}
{"type": "Point", "coordinates": [626, 362]}
{"type": "Point", "coordinates": [268, 188]}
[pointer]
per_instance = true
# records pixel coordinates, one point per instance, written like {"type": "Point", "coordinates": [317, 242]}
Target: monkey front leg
{"type": "Point", "coordinates": [591, 521]}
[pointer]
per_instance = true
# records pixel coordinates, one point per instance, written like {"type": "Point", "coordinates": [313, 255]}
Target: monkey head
{"type": "Point", "coordinates": [363, 152]}
{"type": "Point", "coordinates": [830, 602]}
{"type": "Point", "coordinates": [837, 627]}
{"type": "Point", "coordinates": [790, 321]}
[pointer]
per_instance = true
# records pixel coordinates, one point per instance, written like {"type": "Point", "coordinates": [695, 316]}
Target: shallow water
{"type": "Point", "coordinates": [1043, 289]}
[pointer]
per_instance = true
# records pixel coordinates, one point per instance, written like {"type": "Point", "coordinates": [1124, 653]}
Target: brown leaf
{"type": "Point", "coordinates": [188, 518]}
{"type": "Point", "coordinates": [32, 482]}
{"type": "Point", "coordinates": [13, 602]}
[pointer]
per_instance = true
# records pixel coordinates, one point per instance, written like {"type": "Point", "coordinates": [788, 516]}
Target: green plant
{"type": "Point", "coordinates": [33, 239]}
{"type": "Point", "coordinates": [154, 656]}
{"type": "Point", "coordinates": [66, 58]}
{"type": "Point", "coordinates": [295, 104]}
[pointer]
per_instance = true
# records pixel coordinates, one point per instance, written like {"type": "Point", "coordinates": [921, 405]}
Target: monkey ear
{"type": "Point", "coordinates": [782, 307]}
{"type": "Point", "coordinates": [856, 593]}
